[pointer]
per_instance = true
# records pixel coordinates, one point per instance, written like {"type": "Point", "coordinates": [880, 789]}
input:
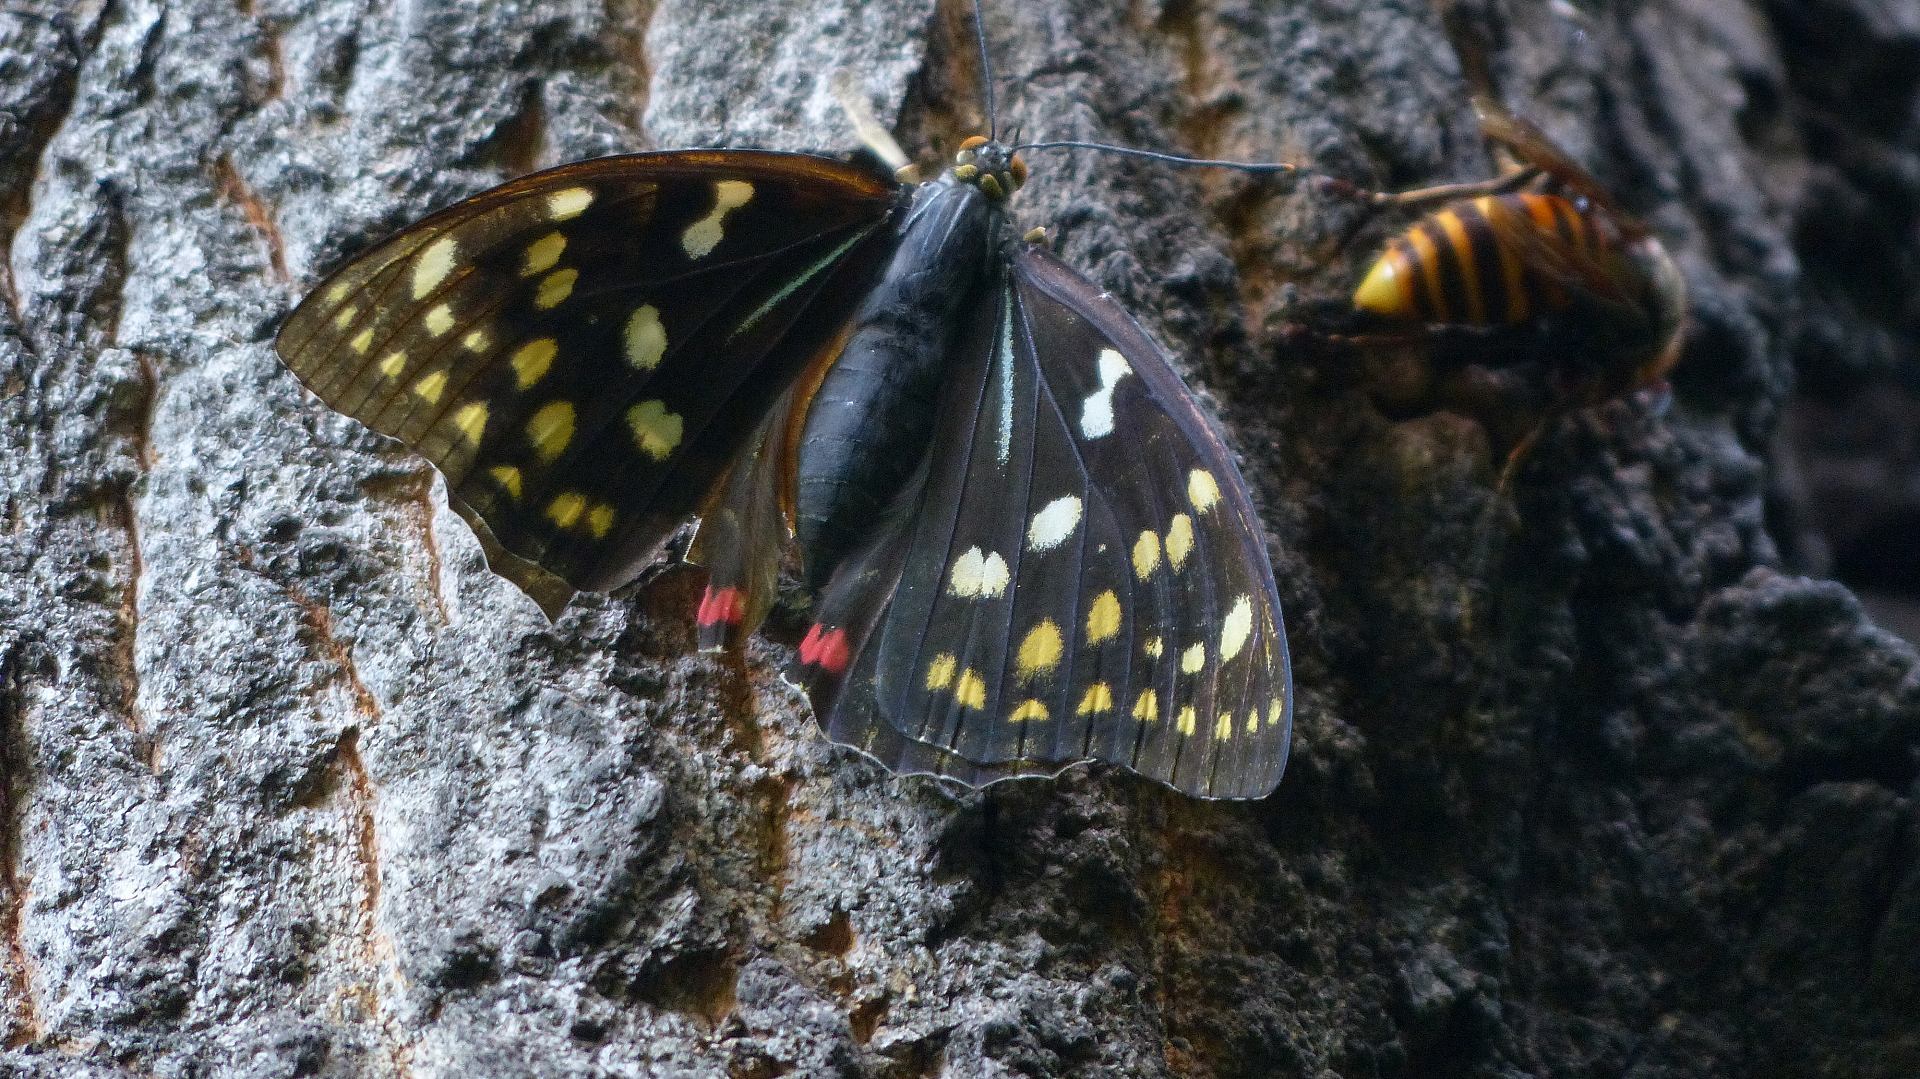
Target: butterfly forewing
{"type": "Point", "coordinates": [1081, 575]}
{"type": "Point", "coordinates": [582, 352]}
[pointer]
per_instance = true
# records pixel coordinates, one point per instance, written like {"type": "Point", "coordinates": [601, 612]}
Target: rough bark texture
{"type": "Point", "coordinates": [292, 786]}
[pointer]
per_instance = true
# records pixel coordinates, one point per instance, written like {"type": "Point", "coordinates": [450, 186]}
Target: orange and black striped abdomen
{"type": "Point", "coordinates": [1489, 261]}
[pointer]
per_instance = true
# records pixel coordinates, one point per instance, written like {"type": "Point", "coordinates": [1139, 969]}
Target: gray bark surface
{"type": "Point", "coordinates": [293, 786]}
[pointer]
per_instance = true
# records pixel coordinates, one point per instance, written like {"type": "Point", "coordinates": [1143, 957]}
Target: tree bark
{"type": "Point", "coordinates": [1583, 783]}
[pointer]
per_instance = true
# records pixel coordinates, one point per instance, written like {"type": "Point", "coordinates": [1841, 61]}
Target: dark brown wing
{"type": "Point", "coordinates": [583, 352]}
{"type": "Point", "coordinates": [1077, 574]}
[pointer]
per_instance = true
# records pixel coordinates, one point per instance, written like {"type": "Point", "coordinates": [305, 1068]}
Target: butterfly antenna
{"type": "Point", "coordinates": [986, 70]}
{"type": "Point", "coordinates": [1264, 168]}
{"type": "Point", "coordinates": [1328, 183]}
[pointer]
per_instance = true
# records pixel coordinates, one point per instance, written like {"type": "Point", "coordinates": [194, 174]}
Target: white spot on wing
{"type": "Point", "coordinates": [978, 574]}
{"type": "Point", "coordinates": [1054, 523]}
{"type": "Point", "coordinates": [1096, 412]}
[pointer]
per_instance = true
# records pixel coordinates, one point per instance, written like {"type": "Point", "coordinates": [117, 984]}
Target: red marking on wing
{"type": "Point", "coordinates": [727, 605]}
{"type": "Point", "coordinates": [826, 649]}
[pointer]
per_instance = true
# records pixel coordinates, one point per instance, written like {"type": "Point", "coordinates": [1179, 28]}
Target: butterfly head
{"type": "Point", "coordinates": [991, 166]}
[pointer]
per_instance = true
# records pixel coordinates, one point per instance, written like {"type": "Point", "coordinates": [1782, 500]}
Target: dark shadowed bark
{"type": "Point", "coordinates": [1584, 782]}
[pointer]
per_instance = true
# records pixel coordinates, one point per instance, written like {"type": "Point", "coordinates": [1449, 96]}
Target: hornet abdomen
{"type": "Point", "coordinates": [1496, 260]}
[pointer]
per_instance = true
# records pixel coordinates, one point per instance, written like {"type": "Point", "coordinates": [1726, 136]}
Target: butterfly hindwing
{"type": "Point", "coordinates": [585, 351]}
{"type": "Point", "coordinates": [1078, 574]}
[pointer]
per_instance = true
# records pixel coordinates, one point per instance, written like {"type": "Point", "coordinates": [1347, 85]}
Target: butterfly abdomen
{"type": "Point", "coordinates": [1464, 265]}
{"type": "Point", "coordinates": [869, 424]}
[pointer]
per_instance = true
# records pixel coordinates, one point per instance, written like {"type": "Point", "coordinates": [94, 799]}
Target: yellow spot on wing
{"type": "Point", "coordinates": [646, 338]}
{"type": "Point", "coordinates": [704, 235]}
{"type": "Point", "coordinates": [394, 364]}
{"type": "Point", "coordinates": [1103, 618]}
{"type": "Point", "coordinates": [1146, 555]}
{"type": "Point", "coordinates": [471, 421]}
{"type": "Point", "coordinates": [1253, 720]}
{"type": "Point", "coordinates": [1276, 708]}
{"type": "Point", "coordinates": [433, 264]}
{"type": "Point", "coordinates": [555, 288]}
{"type": "Point", "coordinates": [569, 204]}
{"type": "Point", "coordinates": [345, 318]}
{"type": "Point", "coordinates": [338, 291]}
{"type": "Point", "coordinates": [1040, 650]}
{"type": "Point", "coordinates": [655, 430]}
{"type": "Point", "coordinates": [1179, 539]}
{"type": "Point", "coordinates": [600, 520]}
{"type": "Point", "coordinates": [1188, 720]}
{"type": "Point", "coordinates": [1097, 700]}
{"type": "Point", "coordinates": [440, 319]}
{"type": "Point", "coordinates": [1030, 711]}
{"type": "Point", "coordinates": [1202, 490]}
{"type": "Point", "coordinates": [543, 253]}
{"type": "Point", "coordinates": [1153, 648]}
{"type": "Point", "coordinates": [566, 508]}
{"type": "Point", "coordinates": [430, 387]}
{"type": "Point", "coordinates": [531, 360]}
{"type": "Point", "coordinates": [1193, 659]}
{"type": "Point", "coordinates": [477, 341]}
{"type": "Point", "coordinates": [971, 692]}
{"type": "Point", "coordinates": [1223, 727]}
{"type": "Point", "coordinates": [551, 429]}
{"type": "Point", "coordinates": [1147, 707]}
{"type": "Point", "coordinates": [362, 341]}
{"type": "Point", "coordinates": [1236, 628]}
{"type": "Point", "coordinates": [940, 671]}
{"type": "Point", "coordinates": [506, 476]}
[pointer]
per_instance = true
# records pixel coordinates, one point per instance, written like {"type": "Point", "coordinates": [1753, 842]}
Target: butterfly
{"type": "Point", "coordinates": [1026, 543]}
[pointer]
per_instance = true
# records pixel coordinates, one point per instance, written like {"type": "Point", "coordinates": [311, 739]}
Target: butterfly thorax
{"type": "Point", "coordinates": [868, 426]}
